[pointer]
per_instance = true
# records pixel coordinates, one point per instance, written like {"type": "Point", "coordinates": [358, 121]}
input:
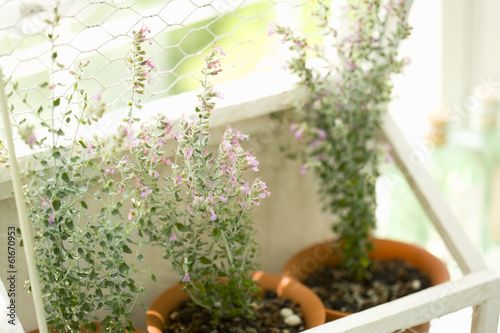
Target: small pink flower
{"type": "Point", "coordinates": [137, 181]}
{"type": "Point", "coordinates": [31, 140]}
{"type": "Point", "coordinates": [271, 29]}
{"type": "Point", "coordinates": [109, 170]}
{"type": "Point", "coordinates": [142, 34]}
{"type": "Point", "coordinates": [245, 189]}
{"type": "Point", "coordinates": [89, 150]}
{"type": "Point", "coordinates": [314, 143]}
{"type": "Point", "coordinates": [252, 162]}
{"type": "Point", "coordinates": [231, 177]}
{"type": "Point", "coordinates": [150, 64]}
{"type": "Point", "coordinates": [186, 278]}
{"type": "Point", "coordinates": [96, 97]}
{"type": "Point", "coordinates": [222, 198]}
{"type": "Point", "coordinates": [179, 180]}
{"type": "Point", "coordinates": [52, 216]}
{"type": "Point", "coordinates": [299, 134]}
{"type": "Point", "coordinates": [321, 134]}
{"type": "Point", "coordinates": [131, 215]}
{"type": "Point", "coordinates": [213, 217]}
{"type": "Point", "coordinates": [172, 237]}
{"type": "Point", "coordinates": [190, 208]}
{"type": "Point", "coordinates": [303, 169]}
{"type": "Point", "coordinates": [145, 192]}
{"type": "Point", "coordinates": [120, 189]}
{"type": "Point", "coordinates": [188, 153]}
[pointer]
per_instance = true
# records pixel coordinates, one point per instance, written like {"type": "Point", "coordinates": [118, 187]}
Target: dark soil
{"type": "Point", "coordinates": [389, 280]}
{"type": "Point", "coordinates": [195, 319]}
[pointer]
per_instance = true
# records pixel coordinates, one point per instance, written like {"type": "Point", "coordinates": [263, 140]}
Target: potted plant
{"type": "Point", "coordinates": [338, 123]}
{"type": "Point", "coordinates": [193, 200]}
{"type": "Point", "coordinates": [87, 254]}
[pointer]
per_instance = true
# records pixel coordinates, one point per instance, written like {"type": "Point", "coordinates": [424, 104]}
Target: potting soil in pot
{"type": "Point", "coordinates": [389, 280]}
{"type": "Point", "coordinates": [270, 317]}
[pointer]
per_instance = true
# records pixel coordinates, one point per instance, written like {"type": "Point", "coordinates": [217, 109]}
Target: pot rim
{"type": "Point", "coordinates": [302, 263]}
{"type": "Point", "coordinates": [313, 309]}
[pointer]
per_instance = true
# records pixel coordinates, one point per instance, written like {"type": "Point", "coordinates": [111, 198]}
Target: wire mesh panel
{"type": "Point", "coordinates": [98, 32]}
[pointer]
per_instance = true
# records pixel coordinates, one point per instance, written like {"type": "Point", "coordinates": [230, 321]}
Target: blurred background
{"type": "Point", "coordinates": [447, 100]}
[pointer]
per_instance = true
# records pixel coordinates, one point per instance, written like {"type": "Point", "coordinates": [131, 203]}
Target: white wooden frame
{"type": "Point", "coordinates": [479, 287]}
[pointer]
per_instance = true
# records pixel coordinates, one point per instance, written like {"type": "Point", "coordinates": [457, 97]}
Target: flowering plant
{"type": "Point", "coordinates": [339, 120]}
{"type": "Point", "coordinates": [86, 254]}
{"type": "Point", "coordinates": [199, 211]}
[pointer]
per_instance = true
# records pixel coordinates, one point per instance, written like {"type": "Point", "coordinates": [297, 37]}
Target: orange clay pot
{"type": "Point", "coordinates": [312, 307]}
{"type": "Point", "coordinates": [84, 330]}
{"type": "Point", "coordinates": [310, 259]}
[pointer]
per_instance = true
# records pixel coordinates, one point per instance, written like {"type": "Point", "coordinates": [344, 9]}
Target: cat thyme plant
{"type": "Point", "coordinates": [83, 244]}
{"type": "Point", "coordinates": [339, 121]}
{"type": "Point", "coordinates": [199, 211]}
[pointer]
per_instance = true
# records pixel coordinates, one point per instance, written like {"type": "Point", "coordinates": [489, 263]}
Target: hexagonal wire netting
{"type": "Point", "coordinates": [99, 31]}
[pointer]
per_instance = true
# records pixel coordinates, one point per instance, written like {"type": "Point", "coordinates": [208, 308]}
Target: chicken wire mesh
{"type": "Point", "coordinates": [99, 32]}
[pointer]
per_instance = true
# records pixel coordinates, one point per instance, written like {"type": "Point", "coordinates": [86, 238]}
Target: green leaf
{"type": "Point", "coordinates": [116, 213]}
{"type": "Point", "coordinates": [65, 177]}
{"type": "Point", "coordinates": [56, 102]}
{"type": "Point", "coordinates": [126, 249]}
{"type": "Point", "coordinates": [56, 204]}
{"type": "Point", "coordinates": [181, 227]}
{"type": "Point", "coordinates": [204, 260]}
{"type": "Point", "coordinates": [84, 204]}
{"type": "Point", "coordinates": [140, 257]}
{"type": "Point", "coordinates": [123, 268]}
{"type": "Point", "coordinates": [216, 234]}
{"type": "Point", "coordinates": [153, 277]}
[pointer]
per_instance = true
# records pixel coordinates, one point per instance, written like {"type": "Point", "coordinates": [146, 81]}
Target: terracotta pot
{"type": "Point", "coordinates": [310, 259]}
{"type": "Point", "coordinates": [312, 307]}
{"type": "Point", "coordinates": [99, 330]}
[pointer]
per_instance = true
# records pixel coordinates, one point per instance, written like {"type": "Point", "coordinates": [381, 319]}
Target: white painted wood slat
{"type": "Point", "coordinates": [421, 307]}
{"type": "Point", "coordinates": [429, 195]}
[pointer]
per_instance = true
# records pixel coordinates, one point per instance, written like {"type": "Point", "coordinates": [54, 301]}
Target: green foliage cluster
{"type": "Point", "coordinates": [199, 211]}
{"type": "Point", "coordinates": [348, 93]}
{"type": "Point", "coordinates": [86, 252]}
